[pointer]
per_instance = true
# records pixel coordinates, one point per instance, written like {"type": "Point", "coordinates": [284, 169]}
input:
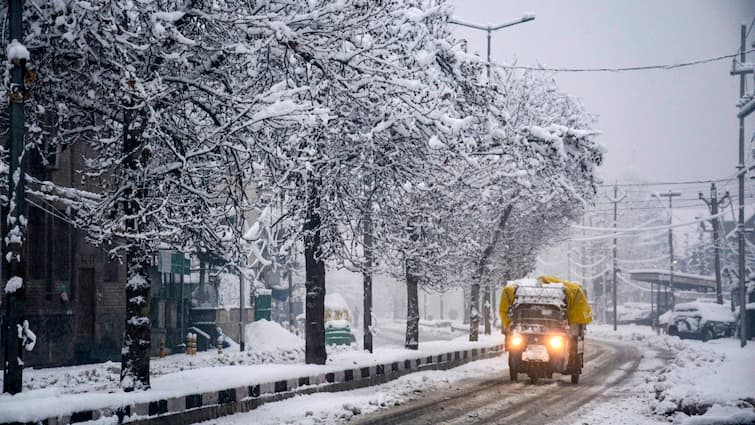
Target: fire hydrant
{"type": "Point", "coordinates": [162, 348]}
{"type": "Point", "coordinates": [220, 344]}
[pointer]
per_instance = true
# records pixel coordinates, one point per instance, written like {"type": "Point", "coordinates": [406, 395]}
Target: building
{"type": "Point", "coordinates": [74, 294]}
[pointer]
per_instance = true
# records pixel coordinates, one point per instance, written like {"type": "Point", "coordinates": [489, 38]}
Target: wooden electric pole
{"type": "Point", "coordinates": [713, 206]}
{"type": "Point", "coordinates": [670, 195]}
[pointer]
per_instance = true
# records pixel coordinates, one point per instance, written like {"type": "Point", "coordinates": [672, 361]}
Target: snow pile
{"type": "Point", "coordinates": [265, 336]}
{"type": "Point", "coordinates": [695, 382]}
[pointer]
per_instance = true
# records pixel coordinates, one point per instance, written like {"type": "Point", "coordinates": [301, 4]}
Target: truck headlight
{"type": "Point", "coordinates": [556, 342]}
{"type": "Point", "coordinates": [516, 340]}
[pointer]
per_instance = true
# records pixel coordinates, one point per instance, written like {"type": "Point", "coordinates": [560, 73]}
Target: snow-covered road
{"type": "Point", "coordinates": [495, 399]}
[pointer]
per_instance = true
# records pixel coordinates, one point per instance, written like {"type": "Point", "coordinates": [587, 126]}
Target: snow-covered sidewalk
{"type": "Point", "coordinates": [187, 376]}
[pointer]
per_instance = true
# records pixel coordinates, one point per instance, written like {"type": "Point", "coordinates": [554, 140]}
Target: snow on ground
{"type": "Point", "coordinates": [673, 375]}
{"type": "Point", "coordinates": [685, 382]}
{"type": "Point", "coordinates": [191, 374]}
{"type": "Point", "coordinates": [268, 342]}
{"type": "Point", "coordinates": [331, 408]}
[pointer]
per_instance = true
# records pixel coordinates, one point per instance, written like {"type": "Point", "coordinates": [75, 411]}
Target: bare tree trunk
{"type": "Point", "coordinates": [136, 341]}
{"type": "Point", "coordinates": [137, 334]}
{"type": "Point", "coordinates": [367, 282]}
{"type": "Point", "coordinates": [479, 274]}
{"type": "Point", "coordinates": [412, 307]}
{"type": "Point", "coordinates": [466, 294]}
{"type": "Point", "coordinates": [15, 254]}
{"type": "Point", "coordinates": [315, 282]}
{"type": "Point", "coordinates": [474, 313]}
{"type": "Point", "coordinates": [486, 308]}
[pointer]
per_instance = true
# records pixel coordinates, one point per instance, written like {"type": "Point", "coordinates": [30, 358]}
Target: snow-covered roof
{"type": "Point", "coordinates": [681, 280]}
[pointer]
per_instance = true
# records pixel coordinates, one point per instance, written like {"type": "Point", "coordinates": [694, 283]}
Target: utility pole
{"type": "Point", "coordinates": [615, 201]}
{"type": "Point", "coordinates": [747, 107]}
{"type": "Point", "coordinates": [670, 195]}
{"type": "Point", "coordinates": [713, 206]}
{"type": "Point", "coordinates": [568, 260]}
{"type": "Point", "coordinates": [15, 299]}
{"type": "Point", "coordinates": [242, 319]}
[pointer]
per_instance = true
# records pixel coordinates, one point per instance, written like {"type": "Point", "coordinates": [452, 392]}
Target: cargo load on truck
{"type": "Point", "coordinates": [578, 310]}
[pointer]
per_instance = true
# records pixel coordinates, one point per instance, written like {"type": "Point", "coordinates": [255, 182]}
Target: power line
{"type": "Point", "coordinates": [667, 183]}
{"type": "Point", "coordinates": [665, 67]}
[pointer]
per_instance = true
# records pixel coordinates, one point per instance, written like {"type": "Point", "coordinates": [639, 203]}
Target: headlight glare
{"type": "Point", "coordinates": [556, 342]}
{"type": "Point", "coordinates": [516, 340]}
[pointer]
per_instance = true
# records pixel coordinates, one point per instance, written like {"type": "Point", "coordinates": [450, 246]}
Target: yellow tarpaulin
{"type": "Point", "coordinates": [578, 310]}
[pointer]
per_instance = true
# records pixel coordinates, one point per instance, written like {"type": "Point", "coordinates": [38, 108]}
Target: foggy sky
{"type": "Point", "coordinates": [657, 125]}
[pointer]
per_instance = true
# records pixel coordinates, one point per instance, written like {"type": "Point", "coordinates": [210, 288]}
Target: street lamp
{"type": "Point", "coordinates": [489, 30]}
{"type": "Point", "coordinates": [526, 17]}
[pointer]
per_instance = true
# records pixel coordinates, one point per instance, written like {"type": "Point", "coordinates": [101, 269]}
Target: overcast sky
{"type": "Point", "coordinates": [657, 125]}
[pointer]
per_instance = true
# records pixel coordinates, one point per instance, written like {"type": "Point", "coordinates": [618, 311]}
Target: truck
{"type": "Point", "coordinates": [544, 322]}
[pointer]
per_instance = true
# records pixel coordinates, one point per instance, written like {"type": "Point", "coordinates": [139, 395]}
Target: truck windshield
{"type": "Point", "coordinates": [538, 317]}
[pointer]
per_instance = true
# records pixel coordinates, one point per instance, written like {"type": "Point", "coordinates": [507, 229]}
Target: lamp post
{"type": "Point", "coordinates": [490, 28]}
{"type": "Point", "coordinates": [489, 295]}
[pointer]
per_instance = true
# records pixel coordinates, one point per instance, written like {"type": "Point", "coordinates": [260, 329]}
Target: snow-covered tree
{"type": "Point", "coordinates": [374, 66]}
{"type": "Point", "coordinates": [539, 162]}
{"type": "Point", "coordinates": [160, 95]}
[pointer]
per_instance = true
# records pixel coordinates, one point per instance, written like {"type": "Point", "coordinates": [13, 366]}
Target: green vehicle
{"type": "Point", "coordinates": [337, 321]}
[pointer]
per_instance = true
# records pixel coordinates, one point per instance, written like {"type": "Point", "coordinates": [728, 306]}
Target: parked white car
{"type": "Point", "coordinates": [700, 320]}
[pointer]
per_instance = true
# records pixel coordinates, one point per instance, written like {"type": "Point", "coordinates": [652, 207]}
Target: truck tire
{"type": "Point", "coordinates": [514, 360]}
{"type": "Point", "coordinates": [575, 378]}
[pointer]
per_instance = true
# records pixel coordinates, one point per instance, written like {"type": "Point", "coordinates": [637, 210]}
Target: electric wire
{"type": "Point", "coordinates": [662, 67]}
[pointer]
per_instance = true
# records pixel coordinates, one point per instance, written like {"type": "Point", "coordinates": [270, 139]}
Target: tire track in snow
{"type": "Point", "coordinates": [498, 400]}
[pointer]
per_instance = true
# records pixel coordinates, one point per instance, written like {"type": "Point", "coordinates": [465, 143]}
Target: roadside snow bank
{"type": "Point", "coordinates": [697, 382]}
{"type": "Point", "coordinates": [266, 336]}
